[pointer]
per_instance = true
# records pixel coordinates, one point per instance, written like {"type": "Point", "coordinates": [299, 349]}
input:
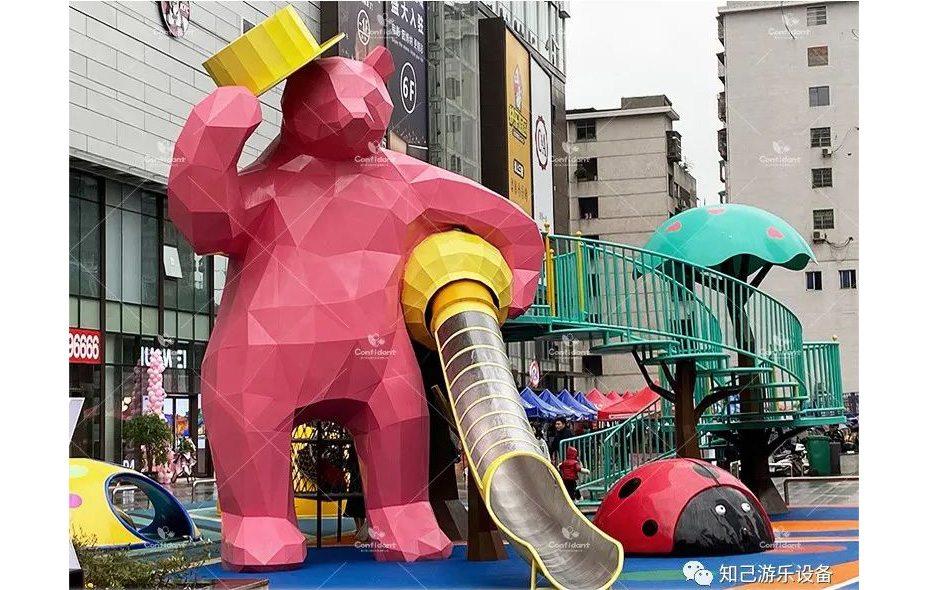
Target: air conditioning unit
{"type": "Point", "coordinates": [826, 152]}
{"type": "Point", "coordinates": [819, 236]}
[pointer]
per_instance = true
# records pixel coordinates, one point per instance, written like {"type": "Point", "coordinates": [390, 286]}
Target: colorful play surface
{"type": "Point", "coordinates": [817, 547]}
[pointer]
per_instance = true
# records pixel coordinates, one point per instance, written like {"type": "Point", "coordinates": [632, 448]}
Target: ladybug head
{"type": "Point", "coordinates": [721, 520]}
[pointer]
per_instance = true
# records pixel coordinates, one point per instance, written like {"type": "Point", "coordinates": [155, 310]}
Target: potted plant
{"type": "Point", "coordinates": [151, 433]}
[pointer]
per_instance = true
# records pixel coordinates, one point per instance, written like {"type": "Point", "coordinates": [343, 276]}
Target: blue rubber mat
{"type": "Point", "coordinates": [350, 567]}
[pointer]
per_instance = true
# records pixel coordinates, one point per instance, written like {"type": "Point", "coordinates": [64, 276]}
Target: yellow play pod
{"type": "Point", "coordinates": [94, 517]}
{"type": "Point", "coordinates": [267, 53]}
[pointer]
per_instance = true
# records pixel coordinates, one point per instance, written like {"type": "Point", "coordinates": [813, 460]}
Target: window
{"type": "Point", "coordinates": [816, 15]}
{"type": "Point", "coordinates": [593, 364]}
{"type": "Point", "coordinates": [587, 169]}
{"type": "Point", "coordinates": [819, 96]}
{"type": "Point", "coordinates": [821, 136]}
{"type": "Point", "coordinates": [848, 278]}
{"type": "Point", "coordinates": [589, 207]}
{"type": "Point", "coordinates": [814, 280]}
{"type": "Point", "coordinates": [823, 219]}
{"type": "Point", "coordinates": [132, 258]}
{"type": "Point", "coordinates": [818, 56]}
{"type": "Point", "coordinates": [84, 264]}
{"type": "Point", "coordinates": [187, 299]}
{"type": "Point", "coordinates": [84, 242]}
{"type": "Point", "coordinates": [821, 177]}
{"type": "Point", "coordinates": [586, 129]}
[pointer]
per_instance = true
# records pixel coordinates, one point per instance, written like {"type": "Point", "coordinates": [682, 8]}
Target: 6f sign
{"type": "Point", "coordinates": [408, 84]}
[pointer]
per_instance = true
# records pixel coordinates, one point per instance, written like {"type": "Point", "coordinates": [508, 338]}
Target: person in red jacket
{"type": "Point", "coordinates": [571, 469]}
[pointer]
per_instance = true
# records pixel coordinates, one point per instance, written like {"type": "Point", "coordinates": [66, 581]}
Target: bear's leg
{"type": "Point", "coordinates": [250, 442]}
{"type": "Point", "coordinates": [391, 438]}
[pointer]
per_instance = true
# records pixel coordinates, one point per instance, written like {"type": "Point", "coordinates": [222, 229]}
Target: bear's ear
{"type": "Point", "coordinates": [381, 60]}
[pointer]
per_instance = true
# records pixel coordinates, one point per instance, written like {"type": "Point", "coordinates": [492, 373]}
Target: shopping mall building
{"type": "Point", "coordinates": [478, 89]}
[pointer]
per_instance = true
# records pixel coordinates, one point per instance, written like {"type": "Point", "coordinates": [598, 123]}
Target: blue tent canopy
{"type": "Point", "coordinates": [562, 409]}
{"type": "Point", "coordinates": [535, 407]}
{"type": "Point", "coordinates": [586, 403]}
{"type": "Point", "coordinates": [568, 400]}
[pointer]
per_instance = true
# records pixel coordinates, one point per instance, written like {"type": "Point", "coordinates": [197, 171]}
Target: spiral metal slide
{"type": "Point", "coordinates": [460, 300]}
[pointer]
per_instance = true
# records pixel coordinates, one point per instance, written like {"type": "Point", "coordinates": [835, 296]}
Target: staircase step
{"type": "Point", "coordinates": [672, 358]}
{"type": "Point", "coordinates": [732, 370]}
{"type": "Point", "coordinates": [634, 345]}
{"type": "Point", "coordinates": [552, 334]}
{"type": "Point", "coordinates": [754, 386]}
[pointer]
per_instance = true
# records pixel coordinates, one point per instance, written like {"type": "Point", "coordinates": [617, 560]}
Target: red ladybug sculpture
{"type": "Point", "coordinates": [684, 507]}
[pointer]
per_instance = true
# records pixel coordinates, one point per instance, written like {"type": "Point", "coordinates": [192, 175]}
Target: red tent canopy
{"type": "Point", "coordinates": [629, 405]}
{"type": "Point", "coordinates": [597, 399]}
{"type": "Point", "coordinates": [614, 396]}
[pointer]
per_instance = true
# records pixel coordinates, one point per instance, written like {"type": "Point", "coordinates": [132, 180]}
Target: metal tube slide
{"type": "Point", "coordinates": [522, 490]}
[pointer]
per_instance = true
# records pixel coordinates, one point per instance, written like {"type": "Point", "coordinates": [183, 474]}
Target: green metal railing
{"type": "Point", "coordinates": [823, 378]}
{"type": "Point", "coordinates": [642, 298]}
{"type": "Point", "coordinates": [612, 452]}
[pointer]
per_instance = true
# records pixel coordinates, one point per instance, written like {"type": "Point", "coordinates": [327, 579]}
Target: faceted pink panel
{"type": "Point", "coordinates": [318, 231]}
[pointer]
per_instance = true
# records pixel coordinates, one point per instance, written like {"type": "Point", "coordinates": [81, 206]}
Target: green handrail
{"type": "Point", "coordinates": [823, 377]}
{"type": "Point", "coordinates": [612, 452]}
{"type": "Point", "coordinates": [635, 295]}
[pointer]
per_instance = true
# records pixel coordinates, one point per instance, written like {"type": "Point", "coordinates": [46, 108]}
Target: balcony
{"type": "Point", "coordinates": [721, 56]}
{"type": "Point", "coordinates": [721, 29]}
{"type": "Point", "coordinates": [723, 143]}
{"type": "Point", "coordinates": [674, 146]}
{"type": "Point", "coordinates": [721, 107]}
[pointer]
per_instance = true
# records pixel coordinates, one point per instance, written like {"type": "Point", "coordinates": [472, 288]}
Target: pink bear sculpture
{"type": "Point", "coordinates": [318, 231]}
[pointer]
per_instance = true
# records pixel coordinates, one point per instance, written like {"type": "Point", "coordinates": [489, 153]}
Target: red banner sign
{"type": "Point", "coordinates": [84, 346]}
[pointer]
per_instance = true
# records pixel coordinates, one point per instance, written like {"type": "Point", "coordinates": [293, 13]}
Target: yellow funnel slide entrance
{"type": "Point", "coordinates": [522, 491]}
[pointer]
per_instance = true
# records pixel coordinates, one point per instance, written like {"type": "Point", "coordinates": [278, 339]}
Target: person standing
{"type": "Point", "coordinates": [570, 469]}
{"type": "Point", "coordinates": [560, 433]}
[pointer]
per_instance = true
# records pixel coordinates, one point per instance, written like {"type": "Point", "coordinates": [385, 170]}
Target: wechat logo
{"type": "Point", "coordinates": [695, 572]}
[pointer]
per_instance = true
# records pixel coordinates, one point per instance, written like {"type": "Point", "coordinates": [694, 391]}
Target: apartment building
{"type": "Point", "coordinates": [789, 144]}
{"type": "Point", "coordinates": [627, 170]}
{"type": "Point", "coordinates": [627, 176]}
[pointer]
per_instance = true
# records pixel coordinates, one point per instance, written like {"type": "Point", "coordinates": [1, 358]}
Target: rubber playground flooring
{"type": "Point", "coordinates": [816, 547]}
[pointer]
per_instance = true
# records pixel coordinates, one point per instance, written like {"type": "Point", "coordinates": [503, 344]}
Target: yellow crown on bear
{"type": "Point", "coordinates": [267, 53]}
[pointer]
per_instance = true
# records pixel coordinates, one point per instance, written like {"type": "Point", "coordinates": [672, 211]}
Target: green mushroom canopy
{"type": "Point", "coordinates": [737, 240]}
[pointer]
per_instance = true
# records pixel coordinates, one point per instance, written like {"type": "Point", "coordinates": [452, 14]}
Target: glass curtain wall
{"type": "Point", "coordinates": [122, 247]}
{"type": "Point", "coordinates": [454, 89]}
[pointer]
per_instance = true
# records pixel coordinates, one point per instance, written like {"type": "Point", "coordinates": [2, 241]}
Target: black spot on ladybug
{"type": "Point", "coordinates": [703, 471]}
{"type": "Point", "coordinates": [649, 528]}
{"type": "Point", "coordinates": [629, 487]}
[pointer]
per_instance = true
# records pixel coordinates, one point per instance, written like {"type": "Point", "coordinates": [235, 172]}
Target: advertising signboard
{"type": "Point", "coordinates": [405, 31]}
{"type": "Point", "coordinates": [363, 25]}
{"type": "Point", "coordinates": [542, 168]}
{"type": "Point", "coordinates": [84, 346]}
{"type": "Point", "coordinates": [518, 133]}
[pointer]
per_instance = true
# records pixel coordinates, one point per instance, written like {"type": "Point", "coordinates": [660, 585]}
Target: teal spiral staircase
{"type": "Point", "coordinates": [753, 369]}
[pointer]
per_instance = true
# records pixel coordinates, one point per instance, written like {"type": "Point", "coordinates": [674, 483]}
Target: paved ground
{"type": "Point", "coordinates": [826, 493]}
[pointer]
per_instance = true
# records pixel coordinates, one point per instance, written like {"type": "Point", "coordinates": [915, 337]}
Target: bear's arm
{"type": "Point", "coordinates": [204, 194]}
{"type": "Point", "coordinates": [449, 200]}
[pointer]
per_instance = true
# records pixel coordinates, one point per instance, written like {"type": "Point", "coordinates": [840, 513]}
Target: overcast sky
{"type": "Point", "coordinates": [634, 48]}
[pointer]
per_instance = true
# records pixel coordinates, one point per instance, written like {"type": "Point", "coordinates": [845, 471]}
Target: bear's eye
{"type": "Point", "coordinates": [720, 510]}
{"type": "Point", "coordinates": [745, 506]}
